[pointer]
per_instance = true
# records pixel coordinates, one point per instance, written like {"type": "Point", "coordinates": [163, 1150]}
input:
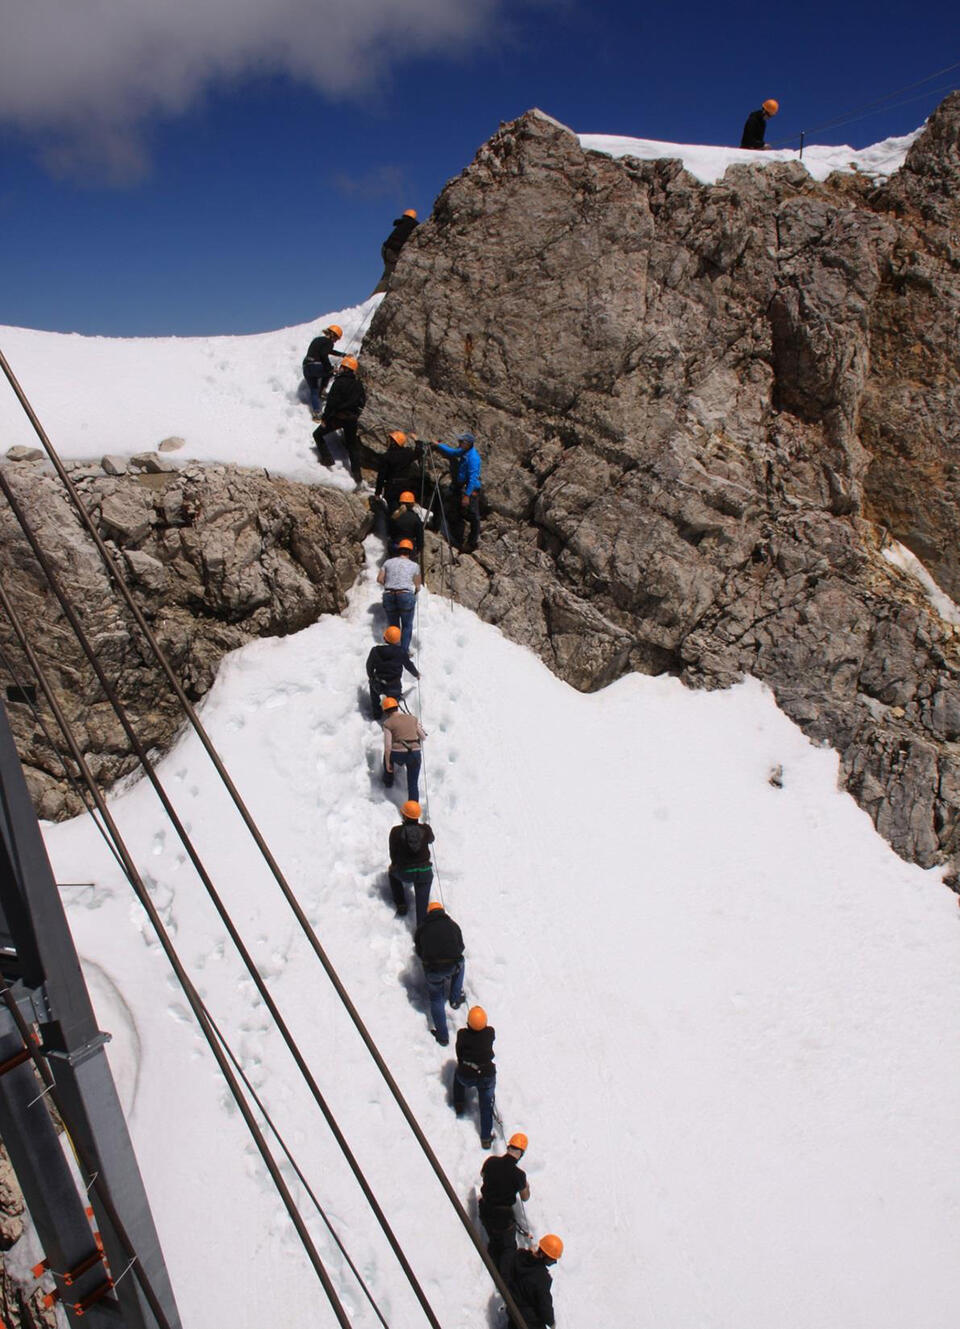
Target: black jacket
{"type": "Point", "coordinates": [319, 352]}
{"type": "Point", "coordinates": [346, 398]}
{"type": "Point", "coordinates": [503, 1180]}
{"type": "Point", "coordinates": [402, 229]}
{"type": "Point", "coordinates": [529, 1281]}
{"type": "Point", "coordinates": [475, 1052]}
{"type": "Point", "coordinates": [410, 846]}
{"type": "Point", "coordinates": [405, 525]}
{"type": "Point", "coordinates": [755, 130]}
{"type": "Point", "coordinates": [386, 663]}
{"type": "Point", "coordinates": [399, 462]}
{"type": "Point", "coordinates": [438, 941]}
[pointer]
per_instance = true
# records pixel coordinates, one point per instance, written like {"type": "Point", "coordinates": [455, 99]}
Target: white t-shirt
{"type": "Point", "coordinates": [398, 574]}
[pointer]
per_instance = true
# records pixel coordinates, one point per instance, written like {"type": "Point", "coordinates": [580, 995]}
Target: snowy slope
{"type": "Point", "coordinates": [709, 163]}
{"type": "Point", "coordinates": [230, 398]}
{"type": "Point", "coordinates": [728, 1016]}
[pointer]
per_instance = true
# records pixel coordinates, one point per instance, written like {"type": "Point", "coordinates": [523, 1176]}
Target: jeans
{"type": "Point", "coordinates": [421, 879]}
{"type": "Point", "coordinates": [412, 762]}
{"type": "Point", "coordinates": [437, 992]}
{"type": "Point", "coordinates": [317, 380]}
{"type": "Point", "coordinates": [398, 607]}
{"type": "Point", "coordinates": [485, 1086]}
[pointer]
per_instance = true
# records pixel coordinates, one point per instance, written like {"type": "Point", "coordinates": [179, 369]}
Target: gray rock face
{"type": "Point", "coordinates": [702, 411]}
{"type": "Point", "coordinates": [215, 556]}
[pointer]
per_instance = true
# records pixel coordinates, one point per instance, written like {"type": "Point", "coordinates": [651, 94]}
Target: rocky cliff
{"type": "Point", "coordinates": [703, 411]}
{"type": "Point", "coordinates": [215, 556]}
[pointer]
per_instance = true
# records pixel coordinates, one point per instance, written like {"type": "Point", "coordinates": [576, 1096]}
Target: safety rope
{"type": "Point", "coordinates": [862, 112]}
{"type": "Point", "coordinates": [84, 795]}
{"type": "Point", "coordinates": [215, 898]}
{"type": "Point", "coordinates": [303, 922]}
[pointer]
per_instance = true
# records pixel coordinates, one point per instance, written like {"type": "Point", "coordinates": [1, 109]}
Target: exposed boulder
{"type": "Point", "coordinates": [703, 410]}
{"type": "Point", "coordinates": [215, 555]}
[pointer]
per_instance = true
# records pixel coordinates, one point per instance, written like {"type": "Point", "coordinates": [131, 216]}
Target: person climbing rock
{"type": "Point", "coordinates": [465, 466]}
{"type": "Point", "coordinates": [401, 581]}
{"type": "Point", "coordinates": [403, 228]}
{"type": "Point", "coordinates": [438, 942]}
{"type": "Point", "coordinates": [402, 736]}
{"type": "Point", "coordinates": [755, 130]}
{"type": "Point", "coordinates": [527, 1275]}
{"type": "Point", "coordinates": [317, 369]}
{"type": "Point", "coordinates": [399, 468]}
{"type": "Point", "coordinates": [475, 1070]}
{"type": "Point", "coordinates": [405, 524]}
{"type": "Point", "coordinates": [410, 860]}
{"type": "Point", "coordinates": [385, 666]}
{"type": "Point", "coordinates": [503, 1183]}
{"type": "Point", "coordinates": [345, 400]}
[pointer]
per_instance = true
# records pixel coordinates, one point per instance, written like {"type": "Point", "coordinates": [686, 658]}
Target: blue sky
{"type": "Point", "coordinates": [237, 171]}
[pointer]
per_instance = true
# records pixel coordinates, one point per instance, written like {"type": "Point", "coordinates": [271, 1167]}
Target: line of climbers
{"type": "Point", "coordinates": [437, 939]}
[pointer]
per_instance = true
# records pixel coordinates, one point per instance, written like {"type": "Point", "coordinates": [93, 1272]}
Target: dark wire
{"type": "Point", "coordinates": [303, 921]}
{"type": "Point", "coordinates": [84, 795]}
{"type": "Point", "coordinates": [225, 917]}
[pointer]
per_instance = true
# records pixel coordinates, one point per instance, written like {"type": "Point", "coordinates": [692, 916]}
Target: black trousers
{"type": "Point", "coordinates": [348, 431]}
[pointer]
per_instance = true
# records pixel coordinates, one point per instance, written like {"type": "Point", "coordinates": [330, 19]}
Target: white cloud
{"type": "Point", "coordinates": [84, 76]}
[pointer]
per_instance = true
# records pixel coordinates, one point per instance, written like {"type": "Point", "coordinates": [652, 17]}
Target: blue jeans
{"type": "Point", "coordinates": [316, 381]}
{"type": "Point", "coordinates": [399, 607]}
{"type": "Point", "coordinates": [437, 992]}
{"type": "Point", "coordinates": [421, 879]}
{"type": "Point", "coordinates": [485, 1086]}
{"type": "Point", "coordinates": [412, 762]}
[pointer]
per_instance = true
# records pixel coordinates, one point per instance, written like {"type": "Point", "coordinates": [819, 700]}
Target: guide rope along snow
{"type": "Point", "coordinates": [200, 868]}
{"type": "Point", "coordinates": [120, 584]}
{"type": "Point", "coordinates": [84, 794]}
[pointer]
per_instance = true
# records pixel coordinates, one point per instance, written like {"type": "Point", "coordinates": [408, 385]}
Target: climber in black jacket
{"type": "Point", "coordinates": [403, 228]}
{"type": "Point", "coordinates": [399, 468]}
{"type": "Point", "coordinates": [755, 130]}
{"type": "Point", "coordinates": [385, 666]}
{"type": "Point", "coordinates": [439, 943]}
{"type": "Point", "coordinates": [345, 400]}
{"type": "Point", "coordinates": [317, 369]}
{"type": "Point", "coordinates": [526, 1274]}
{"type": "Point", "coordinates": [410, 860]}
{"type": "Point", "coordinates": [404, 524]}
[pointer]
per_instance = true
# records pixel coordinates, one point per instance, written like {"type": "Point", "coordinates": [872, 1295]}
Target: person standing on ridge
{"type": "Point", "coordinates": [402, 736]}
{"type": "Point", "coordinates": [503, 1183]}
{"type": "Point", "coordinates": [755, 130]}
{"type": "Point", "coordinates": [466, 466]}
{"type": "Point", "coordinates": [438, 942]}
{"type": "Point", "coordinates": [475, 1070]}
{"type": "Point", "coordinates": [410, 860]}
{"type": "Point", "coordinates": [405, 523]}
{"type": "Point", "coordinates": [403, 228]}
{"type": "Point", "coordinates": [399, 468]}
{"type": "Point", "coordinates": [345, 400]}
{"type": "Point", "coordinates": [385, 666]}
{"type": "Point", "coordinates": [401, 582]}
{"type": "Point", "coordinates": [526, 1274]}
{"type": "Point", "coordinates": [317, 369]}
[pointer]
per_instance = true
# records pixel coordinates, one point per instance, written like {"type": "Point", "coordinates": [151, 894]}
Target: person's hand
{"type": "Point", "coordinates": [389, 770]}
{"type": "Point", "coordinates": [465, 500]}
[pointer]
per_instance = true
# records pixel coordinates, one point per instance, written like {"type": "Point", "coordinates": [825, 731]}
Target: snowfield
{"type": "Point", "coordinates": [728, 1016]}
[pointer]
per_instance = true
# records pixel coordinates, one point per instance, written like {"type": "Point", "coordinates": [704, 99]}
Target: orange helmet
{"type": "Point", "coordinates": [411, 808]}
{"type": "Point", "coordinates": [389, 704]}
{"type": "Point", "coordinates": [336, 329]}
{"type": "Point", "coordinates": [477, 1017]}
{"type": "Point", "coordinates": [399, 437]}
{"type": "Point", "coordinates": [405, 544]}
{"type": "Point", "coordinates": [518, 1141]}
{"type": "Point", "coordinates": [407, 497]}
{"type": "Point", "coordinates": [392, 635]}
{"type": "Point", "coordinates": [434, 904]}
{"type": "Point", "coordinates": [349, 362]}
{"type": "Point", "coordinates": [771, 106]}
{"type": "Point", "coordinates": [410, 212]}
{"type": "Point", "coordinates": [552, 1246]}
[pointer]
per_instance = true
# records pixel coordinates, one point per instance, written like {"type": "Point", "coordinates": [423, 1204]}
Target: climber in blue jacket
{"type": "Point", "coordinates": [465, 465]}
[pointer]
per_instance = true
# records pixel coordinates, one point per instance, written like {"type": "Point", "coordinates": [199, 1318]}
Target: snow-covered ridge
{"type": "Point", "coordinates": [709, 163]}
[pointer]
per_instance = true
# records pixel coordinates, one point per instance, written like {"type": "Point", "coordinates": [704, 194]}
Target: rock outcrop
{"type": "Point", "coordinates": [215, 555]}
{"type": "Point", "coordinates": [703, 410]}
